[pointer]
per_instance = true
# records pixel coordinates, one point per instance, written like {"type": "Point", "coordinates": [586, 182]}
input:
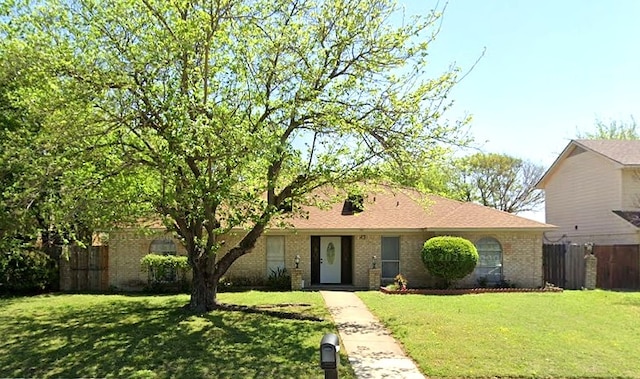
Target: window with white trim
{"type": "Point", "coordinates": [489, 267]}
{"type": "Point", "coordinates": [275, 254]}
{"type": "Point", "coordinates": [390, 257]}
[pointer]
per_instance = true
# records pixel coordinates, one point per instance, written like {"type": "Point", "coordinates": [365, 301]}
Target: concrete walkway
{"type": "Point", "coordinates": [372, 352]}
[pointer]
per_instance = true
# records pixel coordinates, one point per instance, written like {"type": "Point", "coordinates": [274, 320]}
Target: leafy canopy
{"type": "Point", "coordinates": [227, 113]}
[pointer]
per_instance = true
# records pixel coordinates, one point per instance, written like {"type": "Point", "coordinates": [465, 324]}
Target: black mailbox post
{"type": "Point", "coordinates": [329, 356]}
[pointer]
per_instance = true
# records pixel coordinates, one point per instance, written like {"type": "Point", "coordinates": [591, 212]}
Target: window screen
{"type": "Point", "coordinates": [275, 253]}
{"type": "Point", "coordinates": [489, 265]}
{"type": "Point", "coordinates": [390, 257]}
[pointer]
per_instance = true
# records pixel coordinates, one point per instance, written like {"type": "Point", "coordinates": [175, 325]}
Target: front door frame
{"type": "Point", "coordinates": [346, 256]}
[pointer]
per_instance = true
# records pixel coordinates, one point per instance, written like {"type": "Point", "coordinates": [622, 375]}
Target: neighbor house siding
{"type": "Point", "coordinates": [580, 197]}
{"type": "Point", "coordinates": [630, 189]}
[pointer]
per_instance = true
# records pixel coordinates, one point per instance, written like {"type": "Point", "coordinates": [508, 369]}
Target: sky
{"type": "Point", "coordinates": [550, 69]}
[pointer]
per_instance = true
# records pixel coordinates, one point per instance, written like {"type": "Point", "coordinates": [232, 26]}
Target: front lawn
{"type": "Point", "coordinates": [152, 337]}
{"type": "Point", "coordinates": [574, 334]}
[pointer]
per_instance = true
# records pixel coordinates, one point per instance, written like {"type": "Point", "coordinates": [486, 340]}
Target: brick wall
{"type": "Point", "coordinates": [126, 248]}
{"type": "Point", "coordinates": [522, 257]}
{"type": "Point", "coordinates": [365, 247]}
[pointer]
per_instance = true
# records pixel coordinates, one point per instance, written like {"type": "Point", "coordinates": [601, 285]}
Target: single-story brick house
{"type": "Point", "coordinates": [340, 244]}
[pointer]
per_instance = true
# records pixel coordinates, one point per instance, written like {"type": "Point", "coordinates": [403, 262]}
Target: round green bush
{"type": "Point", "coordinates": [449, 258]}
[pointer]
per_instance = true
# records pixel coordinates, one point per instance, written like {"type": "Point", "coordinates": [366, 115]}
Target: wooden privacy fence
{"type": "Point", "coordinates": [85, 269]}
{"type": "Point", "coordinates": [618, 266]}
{"type": "Point", "coordinates": [564, 265]}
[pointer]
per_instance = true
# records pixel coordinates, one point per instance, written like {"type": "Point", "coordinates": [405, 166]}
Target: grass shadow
{"type": "Point", "coordinates": [154, 337]}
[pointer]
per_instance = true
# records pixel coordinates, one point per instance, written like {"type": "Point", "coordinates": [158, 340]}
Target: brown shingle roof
{"type": "Point", "coordinates": [408, 210]}
{"type": "Point", "coordinates": [622, 151]}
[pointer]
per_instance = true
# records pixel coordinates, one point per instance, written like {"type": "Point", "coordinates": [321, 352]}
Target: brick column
{"type": "Point", "coordinates": [374, 278]}
{"type": "Point", "coordinates": [296, 279]}
{"type": "Point", "coordinates": [591, 271]}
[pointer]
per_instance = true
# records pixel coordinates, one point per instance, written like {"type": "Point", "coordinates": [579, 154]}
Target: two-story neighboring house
{"type": "Point", "coordinates": [592, 193]}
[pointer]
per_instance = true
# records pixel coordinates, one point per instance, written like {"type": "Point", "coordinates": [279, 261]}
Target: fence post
{"type": "Point", "coordinates": [590, 272]}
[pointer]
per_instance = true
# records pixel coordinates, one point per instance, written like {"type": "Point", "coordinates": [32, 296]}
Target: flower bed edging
{"type": "Point", "coordinates": [466, 291]}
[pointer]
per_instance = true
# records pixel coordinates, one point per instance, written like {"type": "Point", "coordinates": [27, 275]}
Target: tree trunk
{"type": "Point", "coordinates": [205, 286]}
{"type": "Point", "coordinates": [207, 271]}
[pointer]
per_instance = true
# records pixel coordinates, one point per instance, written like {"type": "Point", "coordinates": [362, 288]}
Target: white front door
{"type": "Point", "coordinates": [330, 256]}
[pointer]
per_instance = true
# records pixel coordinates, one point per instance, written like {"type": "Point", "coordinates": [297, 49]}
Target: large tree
{"type": "Point", "coordinates": [500, 181]}
{"type": "Point", "coordinates": [235, 110]}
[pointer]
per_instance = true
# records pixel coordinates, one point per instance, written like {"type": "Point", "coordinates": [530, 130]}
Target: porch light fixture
{"type": "Point", "coordinates": [297, 260]}
{"type": "Point", "coordinates": [373, 260]}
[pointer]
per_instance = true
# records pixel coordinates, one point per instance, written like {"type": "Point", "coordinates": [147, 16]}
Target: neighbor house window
{"type": "Point", "coordinates": [489, 267]}
{"type": "Point", "coordinates": [164, 246]}
{"type": "Point", "coordinates": [390, 257]}
{"type": "Point", "coordinates": [275, 254]}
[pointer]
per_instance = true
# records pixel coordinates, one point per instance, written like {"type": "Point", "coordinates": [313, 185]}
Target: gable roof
{"type": "Point", "coordinates": [408, 210]}
{"type": "Point", "coordinates": [623, 152]}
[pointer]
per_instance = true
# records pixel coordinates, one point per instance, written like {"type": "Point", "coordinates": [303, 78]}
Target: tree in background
{"type": "Point", "coordinates": [622, 130]}
{"type": "Point", "coordinates": [500, 181]}
{"type": "Point", "coordinates": [229, 113]}
{"type": "Point", "coordinates": [438, 177]}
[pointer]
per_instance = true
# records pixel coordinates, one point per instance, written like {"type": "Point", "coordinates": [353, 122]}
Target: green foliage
{"type": "Point", "coordinates": [500, 181]}
{"type": "Point", "coordinates": [399, 283]}
{"type": "Point", "coordinates": [617, 130]}
{"type": "Point", "coordinates": [449, 258]}
{"type": "Point", "coordinates": [26, 271]}
{"type": "Point", "coordinates": [164, 262]}
{"type": "Point", "coordinates": [439, 176]}
{"type": "Point", "coordinates": [51, 184]}
{"type": "Point", "coordinates": [165, 270]}
{"type": "Point", "coordinates": [279, 279]}
{"type": "Point", "coordinates": [196, 111]}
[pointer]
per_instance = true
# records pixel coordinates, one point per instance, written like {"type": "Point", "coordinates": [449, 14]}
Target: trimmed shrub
{"type": "Point", "coordinates": [166, 273]}
{"type": "Point", "coordinates": [449, 258]}
{"type": "Point", "coordinates": [26, 271]}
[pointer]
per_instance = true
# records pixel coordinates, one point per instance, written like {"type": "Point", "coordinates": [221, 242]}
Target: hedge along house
{"type": "Point", "coordinates": [339, 245]}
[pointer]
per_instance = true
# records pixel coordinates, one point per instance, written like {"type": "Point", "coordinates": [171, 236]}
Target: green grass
{"type": "Point", "coordinates": [152, 337]}
{"type": "Point", "coordinates": [574, 334]}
